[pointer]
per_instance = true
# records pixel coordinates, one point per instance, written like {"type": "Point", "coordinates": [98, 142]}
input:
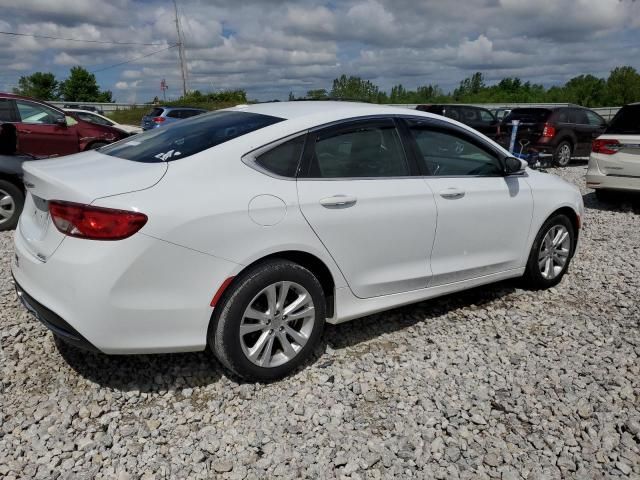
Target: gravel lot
{"type": "Point", "coordinates": [494, 383]}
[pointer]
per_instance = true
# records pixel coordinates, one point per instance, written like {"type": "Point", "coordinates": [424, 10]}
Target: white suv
{"type": "Point", "coordinates": [615, 156]}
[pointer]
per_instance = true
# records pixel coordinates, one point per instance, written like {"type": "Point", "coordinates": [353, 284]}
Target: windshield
{"type": "Point", "coordinates": [188, 137]}
{"type": "Point", "coordinates": [528, 115]}
{"type": "Point", "coordinates": [627, 120]}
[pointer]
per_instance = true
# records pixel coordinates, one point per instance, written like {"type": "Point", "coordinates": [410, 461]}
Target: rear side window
{"type": "Point", "coordinates": [528, 115]}
{"type": "Point", "coordinates": [187, 138]}
{"type": "Point", "coordinates": [155, 112]}
{"type": "Point", "coordinates": [594, 119]}
{"type": "Point", "coordinates": [360, 151]}
{"type": "Point", "coordinates": [626, 121]}
{"type": "Point", "coordinates": [175, 114]}
{"type": "Point", "coordinates": [283, 160]}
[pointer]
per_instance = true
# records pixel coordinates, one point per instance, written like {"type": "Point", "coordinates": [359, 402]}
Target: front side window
{"type": "Point", "coordinates": [188, 137]}
{"type": "Point", "coordinates": [283, 160]}
{"type": "Point", "coordinates": [37, 114]}
{"type": "Point", "coordinates": [364, 151]}
{"type": "Point", "coordinates": [447, 153]}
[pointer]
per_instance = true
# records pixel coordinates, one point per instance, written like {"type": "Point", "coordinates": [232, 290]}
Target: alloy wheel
{"type": "Point", "coordinates": [564, 155]}
{"type": "Point", "coordinates": [554, 252]}
{"type": "Point", "coordinates": [277, 324]}
{"type": "Point", "coordinates": [7, 207]}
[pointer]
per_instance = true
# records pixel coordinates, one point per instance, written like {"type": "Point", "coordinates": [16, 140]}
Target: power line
{"type": "Point", "coordinates": [133, 59]}
{"type": "Point", "coordinates": [75, 39]}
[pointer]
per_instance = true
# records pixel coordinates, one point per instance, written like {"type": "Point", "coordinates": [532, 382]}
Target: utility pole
{"type": "Point", "coordinates": [183, 60]}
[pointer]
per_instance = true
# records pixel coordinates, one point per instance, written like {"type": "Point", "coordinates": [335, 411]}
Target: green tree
{"type": "Point", "coordinates": [585, 90]}
{"type": "Point", "coordinates": [623, 86]}
{"type": "Point", "coordinates": [355, 88]}
{"type": "Point", "coordinates": [317, 94]}
{"type": "Point", "coordinates": [81, 86]}
{"type": "Point", "coordinates": [40, 85]}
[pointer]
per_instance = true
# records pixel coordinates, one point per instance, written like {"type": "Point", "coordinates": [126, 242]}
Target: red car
{"type": "Point", "coordinates": [44, 130]}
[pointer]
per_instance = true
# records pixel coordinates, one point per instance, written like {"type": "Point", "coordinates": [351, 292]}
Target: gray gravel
{"type": "Point", "coordinates": [494, 383]}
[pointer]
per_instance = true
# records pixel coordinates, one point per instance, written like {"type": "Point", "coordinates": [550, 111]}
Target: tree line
{"type": "Point", "coordinates": [622, 86]}
{"type": "Point", "coordinates": [80, 86]}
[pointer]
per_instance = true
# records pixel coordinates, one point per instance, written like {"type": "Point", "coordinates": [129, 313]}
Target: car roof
{"type": "Point", "coordinates": [180, 108]}
{"type": "Point", "coordinates": [15, 96]}
{"type": "Point", "coordinates": [82, 110]}
{"type": "Point", "coordinates": [335, 109]}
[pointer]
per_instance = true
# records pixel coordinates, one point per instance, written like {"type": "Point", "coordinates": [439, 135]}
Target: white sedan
{"type": "Point", "coordinates": [246, 229]}
{"type": "Point", "coordinates": [94, 117]}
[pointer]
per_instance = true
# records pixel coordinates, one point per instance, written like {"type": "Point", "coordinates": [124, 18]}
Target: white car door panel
{"type": "Point", "coordinates": [376, 221]}
{"type": "Point", "coordinates": [483, 229]}
{"type": "Point", "coordinates": [484, 217]}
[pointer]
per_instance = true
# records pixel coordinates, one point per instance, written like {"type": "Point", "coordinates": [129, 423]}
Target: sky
{"type": "Point", "coordinates": [273, 47]}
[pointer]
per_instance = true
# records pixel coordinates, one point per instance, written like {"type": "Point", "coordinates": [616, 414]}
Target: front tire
{"type": "Point", "coordinates": [562, 154]}
{"type": "Point", "coordinates": [551, 253]}
{"type": "Point", "coordinates": [11, 205]}
{"type": "Point", "coordinates": [269, 321]}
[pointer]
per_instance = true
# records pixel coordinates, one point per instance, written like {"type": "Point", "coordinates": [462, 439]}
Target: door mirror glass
{"type": "Point", "coordinates": [514, 166]}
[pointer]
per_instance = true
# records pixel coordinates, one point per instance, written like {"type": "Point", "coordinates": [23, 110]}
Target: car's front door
{"type": "Point", "coordinates": [39, 132]}
{"type": "Point", "coordinates": [376, 219]}
{"type": "Point", "coordinates": [484, 217]}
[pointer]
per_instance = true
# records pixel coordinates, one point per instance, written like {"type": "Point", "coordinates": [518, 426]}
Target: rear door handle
{"type": "Point", "coordinates": [452, 193]}
{"type": "Point", "coordinates": [338, 201]}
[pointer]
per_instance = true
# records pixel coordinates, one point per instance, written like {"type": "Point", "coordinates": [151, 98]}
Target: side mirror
{"type": "Point", "coordinates": [61, 122]}
{"type": "Point", "coordinates": [514, 166]}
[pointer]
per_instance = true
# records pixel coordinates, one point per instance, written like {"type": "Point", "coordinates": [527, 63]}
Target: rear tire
{"type": "Point", "coordinates": [551, 253]}
{"type": "Point", "coordinates": [562, 154]}
{"type": "Point", "coordinates": [11, 205]}
{"type": "Point", "coordinates": [286, 305]}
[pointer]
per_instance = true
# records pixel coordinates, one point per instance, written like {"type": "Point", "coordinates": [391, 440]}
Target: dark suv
{"type": "Point", "coordinates": [564, 132]}
{"type": "Point", "coordinates": [478, 118]}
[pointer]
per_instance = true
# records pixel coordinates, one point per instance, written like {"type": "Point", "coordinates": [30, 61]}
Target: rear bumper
{"type": "Point", "coordinates": [139, 295]}
{"type": "Point", "coordinates": [598, 180]}
{"type": "Point", "coordinates": [53, 322]}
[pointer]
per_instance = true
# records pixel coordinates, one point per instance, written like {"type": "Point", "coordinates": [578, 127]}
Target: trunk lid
{"type": "Point", "coordinates": [80, 178]}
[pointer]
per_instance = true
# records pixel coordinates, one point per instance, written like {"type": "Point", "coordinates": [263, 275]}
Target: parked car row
{"type": "Point", "coordinates": [563, 132]}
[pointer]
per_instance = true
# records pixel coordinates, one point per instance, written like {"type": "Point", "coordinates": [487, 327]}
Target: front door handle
{"type": "Point", "coordinates": [338, 201]}
{"type": "Point", "coordinates": [452, 193]}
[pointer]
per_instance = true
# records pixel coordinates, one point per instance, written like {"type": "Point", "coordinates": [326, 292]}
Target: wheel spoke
{"type": "Point", "coordinates": [265, 359]}
{"type": "Point", "coordinates": [562, 252]}
{"type": "Point", "coordinates": [301, 314]}
{"type": "Point", "coordinates": [271, 294]}
{"type": "Point", "coordinates": [256, 315]}
{"type": "Point", "coordinates": [247, 328]}
{"type": "Point", "coordinates": [559, 237]}
{"type": "Point", "coordinates": [284, 291]}
{"type": "Point", "coordinates": [302, 300]}
{"type": "Point", "coordinates": [258, 347]}
{"type": "Point", "coordinates": [300, 338]}
{"type": "Point", "coordinates": [6, 201]}
{"type": "Point", "coordinates": [287, 348]}
{"type": "Point", "coordinates": [548, 267]}
{"type": "Point", "coordinates": [5, 213]}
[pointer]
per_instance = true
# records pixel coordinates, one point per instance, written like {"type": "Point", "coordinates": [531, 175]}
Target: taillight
{"type": "Point", "coordinates": [549, 131]}
{"type": "Point", "coordinates": [605, 146]}
{"type": "Point", "coordinates": [94, 223]}
{"type": "Point", "coordinates": [158, 119]}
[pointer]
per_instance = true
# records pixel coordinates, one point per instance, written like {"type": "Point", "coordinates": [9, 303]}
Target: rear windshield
{"type": "Point", "coordinates": [155, 112]}
{"type": "Point", "coordinates": [528, 115]}
{"type": "Point", "coordinates": [627, 120]}
{"type": "Point", "coordinates": [188, 137]}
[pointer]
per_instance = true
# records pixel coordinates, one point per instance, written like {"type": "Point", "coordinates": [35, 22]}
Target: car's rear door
{"type": "Point", "coordinates": [358, 193]}
{"type": "Point", "coordinates": [484, 217]}
{"type": "Point", "coordinates": [39, 133]}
